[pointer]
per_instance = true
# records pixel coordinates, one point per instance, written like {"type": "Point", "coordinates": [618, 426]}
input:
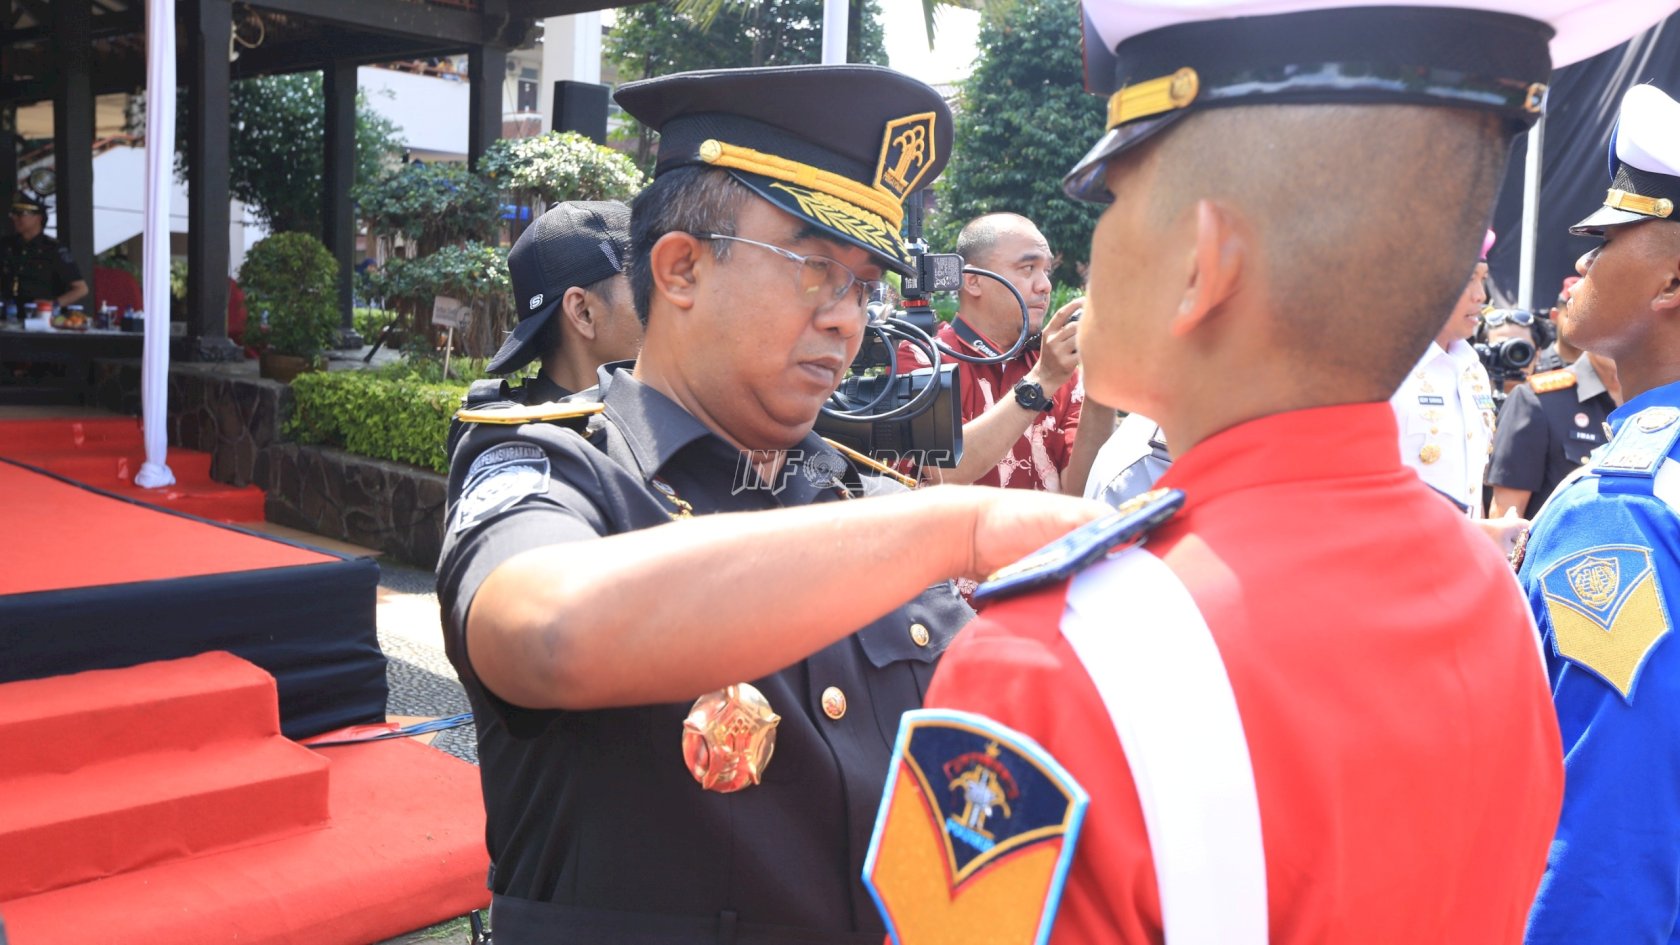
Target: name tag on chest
{"type": "Point", "coordinates": [1586, 435]}
{"type": "Point", "coordinates": [1432, 400]}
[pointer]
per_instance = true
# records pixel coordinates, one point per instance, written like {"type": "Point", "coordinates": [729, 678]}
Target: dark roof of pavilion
{"type": "Point", "coordinates": [277, 36]}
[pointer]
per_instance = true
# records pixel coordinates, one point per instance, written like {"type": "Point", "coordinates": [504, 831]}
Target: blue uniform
{"type": "Point", "coordinates": [1602, 574]}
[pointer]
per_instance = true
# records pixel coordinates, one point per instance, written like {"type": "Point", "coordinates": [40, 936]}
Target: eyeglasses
{"type": "Point", "coordinates": [826, 280]}
{"type": "Point", "coordinates": [1515, 316]}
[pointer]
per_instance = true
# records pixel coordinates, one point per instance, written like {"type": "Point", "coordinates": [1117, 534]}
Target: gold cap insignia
{"type": "Point", "coordinates": [728, 738]}
{"type": "Point", "coordinates": [907, 153]}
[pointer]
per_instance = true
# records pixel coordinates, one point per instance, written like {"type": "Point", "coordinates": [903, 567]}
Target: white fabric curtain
{"type": "Point", "coordinates": [160, 151]}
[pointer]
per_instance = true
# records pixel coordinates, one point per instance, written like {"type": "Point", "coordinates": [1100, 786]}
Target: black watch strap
{"type": "Point", "coordinates": [1031, 396]}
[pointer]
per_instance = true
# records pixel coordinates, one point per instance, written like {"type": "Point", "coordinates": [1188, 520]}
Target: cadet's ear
{"type": "Point", "coordinates": [1668, 297]}
{"type": "Point", "coordinates": [673, 263]}
{"type": "Point", "coordinates": [1216, 265]}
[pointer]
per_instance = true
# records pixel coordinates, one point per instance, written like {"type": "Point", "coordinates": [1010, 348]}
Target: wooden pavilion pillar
{"type": "Point", "coordinates": [208, 25]}
{"type": "Point", "coordinates": [338, 214]}
{"type": "Point", "coordinates": [73, 130]}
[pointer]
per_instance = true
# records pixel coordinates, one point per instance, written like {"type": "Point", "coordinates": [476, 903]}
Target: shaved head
{"type": "Point", "coordinates": [1368, 218]}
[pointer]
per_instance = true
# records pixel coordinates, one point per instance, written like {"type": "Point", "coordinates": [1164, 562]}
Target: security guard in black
{"type": "Point", "coordinates": [1546, 429]}
{"type": "Point", "coordinates": [33, 265]}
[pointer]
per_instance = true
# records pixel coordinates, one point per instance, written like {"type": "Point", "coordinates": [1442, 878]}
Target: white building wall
{"type": "Point", "coordinates": [431, 112]}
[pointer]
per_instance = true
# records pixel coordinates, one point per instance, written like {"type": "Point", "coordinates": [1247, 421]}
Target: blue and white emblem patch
{"type": "Point", "coordinates": [499, 477]}
{"type": "Point", "coordinates": [975, 834]}
{"type": "Point", "coordinates": [1607, 611]}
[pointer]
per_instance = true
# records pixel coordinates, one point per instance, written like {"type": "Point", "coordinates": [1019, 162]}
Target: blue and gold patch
{"type": "Point", "coordinates": [907, 154]}
{"type": "Point", "coordinates": [1607, 611]}
{"type": "Point", "coordinates": [975, 834]}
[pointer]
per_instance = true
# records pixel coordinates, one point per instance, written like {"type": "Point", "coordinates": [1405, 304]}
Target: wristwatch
{"type": "Point", "coordinates": [1031, 396]}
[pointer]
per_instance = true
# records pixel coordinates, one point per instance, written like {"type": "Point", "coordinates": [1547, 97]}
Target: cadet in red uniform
{"type": "Point", "coordinates": [1311, 709]}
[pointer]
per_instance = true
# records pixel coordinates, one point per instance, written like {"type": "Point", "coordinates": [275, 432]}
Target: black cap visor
{"type": "Point", "coordinates": [1606, 216]}
{"type": "Point", "coordinates": [520, 348]}
{"type": "Point", "coordinates": [844, 221]}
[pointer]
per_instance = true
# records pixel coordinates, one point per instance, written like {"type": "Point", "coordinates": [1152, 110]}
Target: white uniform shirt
{"type": "Point", "coordinates": [1445, 411]}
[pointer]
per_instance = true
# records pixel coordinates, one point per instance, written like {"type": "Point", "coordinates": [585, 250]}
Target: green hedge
{"type": "Point", "coordinates": [397, 419]}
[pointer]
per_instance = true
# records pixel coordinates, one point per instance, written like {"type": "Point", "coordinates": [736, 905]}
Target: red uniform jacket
{"type": "Point", "coordinates": [1405, 754]}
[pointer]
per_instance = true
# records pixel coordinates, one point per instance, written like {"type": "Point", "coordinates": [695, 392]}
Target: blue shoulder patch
{"type": "Point", "coordinates": [975, 834]}
{"type": "Point", "coordinates": [1641, 445]}
{"type": "Point", "coordinates": [1607, 611]}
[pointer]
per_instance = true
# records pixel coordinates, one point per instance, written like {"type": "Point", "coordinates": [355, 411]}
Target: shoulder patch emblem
{"type": "Point", "coordinates": [1607, 611]}
{"type": "Point", "coordinates": [497, 479]}
{"type": "Point", "coordinates": [975, 834]}
{"type": "Point", "coordinates": [1641, 445]}
{"type": "Point", "coordinates": [1549, 381]}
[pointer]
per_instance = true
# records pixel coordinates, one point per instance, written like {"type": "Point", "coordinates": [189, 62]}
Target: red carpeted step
{"type": "Point", "coordinates": [116, 815]}
{"type": "Point", "coordinates": [50, 726]}
{"type": "Point", "coordinates": [52, 434]}
{"type": "Point", "coordinates": [111, 770]}
{"type": "Point", "coordinates": [404, 849]}
{"type": "Point", "coordinates": [104, 468]}
{"type": "Point", "coordinates": [215, 501]}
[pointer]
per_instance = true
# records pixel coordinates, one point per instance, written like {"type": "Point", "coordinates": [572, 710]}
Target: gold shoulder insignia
{"type": "Point", "coordinates": [557, 411]}
{"type": "Point", "coordinates": [1552, 380]}
{"type": "Point", "coordinates": [1607, 611]}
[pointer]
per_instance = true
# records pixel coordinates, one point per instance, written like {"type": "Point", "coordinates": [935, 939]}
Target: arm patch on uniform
{"type": "Point", "coordinates": [975, 834]}
{"type": "Point", "coordinates": [499, 477]}
{"type": "Point", "coordinates": [1607, 611]}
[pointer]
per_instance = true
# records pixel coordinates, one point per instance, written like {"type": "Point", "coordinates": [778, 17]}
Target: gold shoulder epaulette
{"type": "Point", "coordinates": [1552, 380]}
{"type": "Point", "coordinates": [529, 413]}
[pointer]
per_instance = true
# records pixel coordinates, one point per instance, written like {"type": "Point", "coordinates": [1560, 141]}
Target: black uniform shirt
{"type": "Point", "coordinates": [594, 813]}
{"type": "Point", "coordinates": [1543, 437]}
{"type": "Point", "coordinates": [35, 269]}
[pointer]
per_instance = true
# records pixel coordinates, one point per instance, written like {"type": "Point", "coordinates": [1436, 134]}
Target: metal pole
{"type": "Point", "coordinates": [835, 13]}
{"type": "Point", "coordinates": [1531, 214]}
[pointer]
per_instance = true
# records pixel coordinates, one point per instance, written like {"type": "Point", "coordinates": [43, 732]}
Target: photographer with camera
{"type": "Point", "coordinates": [1020, 418]}
{"type": "Point", "coordinates": [1547, 427]}
{"type": "Point", "coordinates": [1507, 342]}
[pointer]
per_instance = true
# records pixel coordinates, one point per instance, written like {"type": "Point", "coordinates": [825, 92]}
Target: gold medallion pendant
{"type": "Point", "coordinates": [728, 738]}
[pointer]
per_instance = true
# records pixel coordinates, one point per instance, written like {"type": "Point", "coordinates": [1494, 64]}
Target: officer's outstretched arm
{"type": "Point", "coordinates": [663, 614]}
{"type": "Point", "coordinates": [1606, 601]}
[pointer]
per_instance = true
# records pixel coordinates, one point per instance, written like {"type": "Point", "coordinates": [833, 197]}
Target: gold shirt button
{"type": "Point", "coordinates": [833, 702]}
{"type": "Point", "coordinates": [919, 634]}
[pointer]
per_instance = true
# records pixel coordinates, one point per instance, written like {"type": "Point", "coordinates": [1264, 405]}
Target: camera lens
{"type": "Point", "coordinates": [1516, 352]}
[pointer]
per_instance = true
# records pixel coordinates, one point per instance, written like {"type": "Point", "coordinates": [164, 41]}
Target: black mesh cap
{"type": "Point", "coordinates": [573, 244]}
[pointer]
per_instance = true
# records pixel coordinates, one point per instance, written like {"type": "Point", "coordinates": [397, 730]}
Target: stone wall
{"type": "Point", "coordinates": [226, 410]}
{"type": "Point", "coordinates": [390, 506]}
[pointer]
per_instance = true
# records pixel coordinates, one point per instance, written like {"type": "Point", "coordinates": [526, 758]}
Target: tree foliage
{"type": "Point", "coordinates": [431, 204]}
{"type": "Point", "coordinates": [290, 281]}
{"type": "Point", "coordinates": [654, 39]}
{"type": "Point", "coordinates": [1022, 122]}
{"type": "Point", "coordinates": [276, 139]}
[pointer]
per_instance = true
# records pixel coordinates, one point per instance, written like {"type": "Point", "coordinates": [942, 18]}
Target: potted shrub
{"type": "Point", "coordinates": [290, 282]}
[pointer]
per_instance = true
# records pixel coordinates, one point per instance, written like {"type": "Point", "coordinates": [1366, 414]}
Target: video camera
{"type": "Point", "coordinates": [891, 415]}
{"type": "Point", "coordinates": [1506, 360]}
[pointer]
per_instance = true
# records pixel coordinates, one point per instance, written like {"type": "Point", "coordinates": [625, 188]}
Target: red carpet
{"type": "Point", "coordinates": [80, 539]}
{"type": "Point", "coordinates": [158, 804]}
{"type": "Point", "coordinates": [106, 452]}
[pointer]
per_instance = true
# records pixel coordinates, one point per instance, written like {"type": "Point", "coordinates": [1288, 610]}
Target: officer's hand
{"type": "Point", "coordinates": [1059, 351]}
{"type": "Point", "coordinates": [1505, 530]}
{"type": "Point", "coordinates": [1009, 524]}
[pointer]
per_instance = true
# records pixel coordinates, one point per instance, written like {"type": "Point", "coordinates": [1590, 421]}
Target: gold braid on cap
{"type": "Point", "coordinates": [1634, 203]}
{"type": "Point", "coordinates": [1144, 99]}
{"type": "Point", "coordinates": [719, 154]}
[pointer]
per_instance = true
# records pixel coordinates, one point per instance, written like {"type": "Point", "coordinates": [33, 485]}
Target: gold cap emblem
{"type": "Point", "coordinates": [728, 738]}
{"type": "Point", "coordinates": [907, 154]}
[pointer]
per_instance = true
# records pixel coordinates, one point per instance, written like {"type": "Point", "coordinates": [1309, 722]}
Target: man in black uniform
{"type": "Point", "coordinates": [1546, 429]}
{"type": "Point", "coordinates": [573, 299]}
{"type": "Point", "coordinates": [639, 604]}
{"type": "Point", "coordinates": [33, 266]}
